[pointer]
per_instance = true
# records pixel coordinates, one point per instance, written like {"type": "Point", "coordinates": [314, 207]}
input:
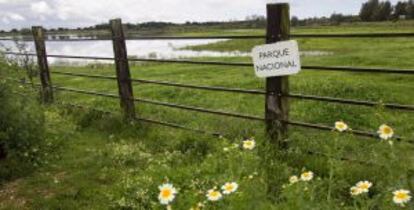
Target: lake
{"type": "Point", "coordinates": [160, 49]}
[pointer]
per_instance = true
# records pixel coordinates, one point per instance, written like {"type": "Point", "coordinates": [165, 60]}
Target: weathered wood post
{"type": "Point", "coordinates": [39, 40]}
{"type": "Point", "coordinates": [277, 106]}
{"type": "Point", "coordinates": [122, 69]}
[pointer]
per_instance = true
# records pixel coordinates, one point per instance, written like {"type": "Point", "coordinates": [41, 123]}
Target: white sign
{"type": "Point", "coordinates": [278, 59]}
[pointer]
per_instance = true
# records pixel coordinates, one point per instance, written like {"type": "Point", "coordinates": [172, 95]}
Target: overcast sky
{"type": "Point", "coordinates": [75, 13]}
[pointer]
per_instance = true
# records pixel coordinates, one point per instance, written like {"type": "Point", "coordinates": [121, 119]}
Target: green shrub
{"type": "Point", "coordinates": [22, 129]}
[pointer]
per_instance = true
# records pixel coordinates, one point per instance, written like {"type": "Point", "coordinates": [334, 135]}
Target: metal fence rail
{"type": "Point", "coordinates": [217, 134]}
{"type": "Point", "coordinates": [236, 64]}
{"type": "Point", "coordinates": [350, 101]}
{"type": "Point", "coordinates": [248, 91]}
{"type": "Point", "coordinates": [165, 104]}
{"type": "Point", "coordinates": [228, 114]}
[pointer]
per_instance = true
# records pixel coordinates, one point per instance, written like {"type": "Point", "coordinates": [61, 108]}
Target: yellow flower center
{"type": "Point", "coordinates": [387, 130]}
{"type": "Point", "coordinates": [214, 194]}
{"type": "Point", "coordinates": [364, 186]}
{"type": "Point", "coordinates": [401, 196]}
{"type": "Point", "coordinates": [341, 126]}
{"type": "Point", "coordinates": [229, 187]}
{"type": "Point", "coordinates": [166, 193]}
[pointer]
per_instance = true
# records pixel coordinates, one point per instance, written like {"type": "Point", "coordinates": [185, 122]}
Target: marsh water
{"type": "Point", "coordinates": [160, 49]}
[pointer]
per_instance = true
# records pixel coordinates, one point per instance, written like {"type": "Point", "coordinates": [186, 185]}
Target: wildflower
{"type": "Point", "coordinates": [293, 179]}
{"type": "Point", "coordinates": [385, 132]}
{"type": "Point", "coordinates": [341, 126]}
{"type": "Point", "coordinates": [229, 187]}
{"type": "Point", "coordinates": [364, 186]}
{"type": "Point", "coordinates": [401, 197]}
{"type": "Point", "coordinates": [355, 191]}
{"type": "Point", "coordinates": [214, 195]}
{"type": "Point", "coordinates": [306, 176]}
{"type": "Point", "coordinates": [249, 144]}
{"type": "Point", "coordinates": [225, 149]}
{"type": "Point", "coordinates": [167, 194]}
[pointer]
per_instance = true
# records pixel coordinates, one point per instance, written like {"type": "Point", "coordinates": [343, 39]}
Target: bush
{"type": "Point", "coordinates": [22, 128]}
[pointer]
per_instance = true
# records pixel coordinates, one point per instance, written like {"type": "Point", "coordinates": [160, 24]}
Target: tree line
{"type": "Point", "coordinates": [372, 10]}
{"type": "Point", "coordinates": [375, 10]}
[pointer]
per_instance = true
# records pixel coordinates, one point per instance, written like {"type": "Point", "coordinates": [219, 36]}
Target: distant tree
{"type": "Point", "coordinates": [410, 9]}
{"type": "Point", "coordinates": [294, 21]}
{"type": "Point", "coordinates": [368, 9]}
{"type": "Point", "coordinates": [400, 9]}
{"type": "Point", "coordinates": [337, 18]}
{"type": "Point", "coordinates": [14, 30]}
{"type": "Point", "coordinates": [382, 12]}
{"type": "Point", "coordinates": [25, 31]}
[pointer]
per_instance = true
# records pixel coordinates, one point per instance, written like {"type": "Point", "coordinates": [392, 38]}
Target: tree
{"type": "Point", "coordinates": [382, 12]}
{"type": "Point", "coordinates": [368, 9]}
{"type": "Point", "coordinates": [294, 21]}
{"type": "Point", "coordinates": [400, 9]}
{"type": "Point", "coordinates": [337, 18]}
{"type": "Point", "coordinates": [410, 9]}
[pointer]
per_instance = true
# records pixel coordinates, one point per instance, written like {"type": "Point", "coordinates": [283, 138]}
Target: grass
{"type": "Point", "coordinates": [107, 164]}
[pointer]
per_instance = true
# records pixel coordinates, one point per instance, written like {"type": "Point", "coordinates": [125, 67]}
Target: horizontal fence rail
{"type": "Point", "coordinates": [238, 64]}
{"type": "Point", "coordinates": [170, 84]}
{"type": "Point", "coordinates": [247, 91]}
{"type": "Point", "coordinates": [352, 131]}
{"type": "Point", "coordinates": [236, 115]}
{"type": "Point", "coordinates": [350, 101]}
{"type": "Point", "coordinates": [217, 134]}
{"type": "Point", "coordinates": [165, 104]}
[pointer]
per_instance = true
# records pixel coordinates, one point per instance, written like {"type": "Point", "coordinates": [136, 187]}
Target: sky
{"type": "Point", "coordinates": [81, 13]}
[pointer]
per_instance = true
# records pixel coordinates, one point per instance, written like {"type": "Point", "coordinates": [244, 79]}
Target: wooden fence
{"type": "Point", "coordinates": [277, 95]}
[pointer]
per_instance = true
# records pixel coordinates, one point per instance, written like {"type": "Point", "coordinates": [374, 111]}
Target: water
{"type": "Point", "coordinates": [160, 49]}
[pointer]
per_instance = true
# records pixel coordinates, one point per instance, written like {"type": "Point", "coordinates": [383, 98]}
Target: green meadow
{"type": "Point", "coordinates": [99, 161]}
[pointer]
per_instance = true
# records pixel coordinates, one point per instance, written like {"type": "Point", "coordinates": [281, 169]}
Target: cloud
{"type": "Point", "coordinates": [79, 13]}
{"type": "Point", "coordinates": [41, 8]}
{"type": "Point", "coordinates": [10, 17]}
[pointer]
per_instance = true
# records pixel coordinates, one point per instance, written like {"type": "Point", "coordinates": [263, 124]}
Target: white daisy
{"type": "Point", "coordinates": [385, 132]}
{"type": "Point", "coordinates": [249, 144]}
{"type": "Point", "coordinates": [355, 191]}
{"type": "Point", "coordinates": [214, 195]}
{"type": "Point", "coordinates": [229, 187]}
{"type": "Point", "coordinates": [364, 186]}
{"type": "Point", "coordinates": [293, 179]}
{"type": "Point", "coordinates": [401, 197]}
{"type": "Point", "coordinates": [306, 176]}
{"type": "Point", "coordinates": [341, 126]}
{"type": "Point", "coordinates": [167, 194]}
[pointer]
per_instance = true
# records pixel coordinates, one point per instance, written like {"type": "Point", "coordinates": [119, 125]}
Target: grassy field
{"type": "Point", "coordinates": [106, 164]}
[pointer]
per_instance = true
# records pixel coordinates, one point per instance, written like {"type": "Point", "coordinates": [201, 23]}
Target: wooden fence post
{"type": "Point", "coordinates": [122, 69]}
{"type": "Point", "coordinates": [39, 39]}
{"type": "Point", "coordinates": [277, 106]}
